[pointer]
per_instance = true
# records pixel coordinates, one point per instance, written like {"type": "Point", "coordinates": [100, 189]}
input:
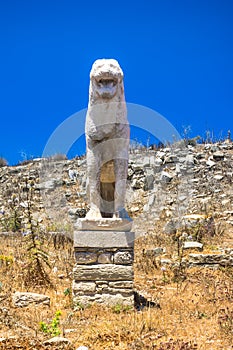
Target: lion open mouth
{"type": "Point", "coordinates": [106, 82]}
{"type": "Point", "coordinates": [106, 86]}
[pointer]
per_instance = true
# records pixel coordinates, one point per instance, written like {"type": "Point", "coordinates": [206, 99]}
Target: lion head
{"type": "Point", "coordinates": [106, 78]}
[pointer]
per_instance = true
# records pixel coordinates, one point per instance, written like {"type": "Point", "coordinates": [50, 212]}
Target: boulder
{"type": "Point", "coordinates": [218, 156]}
{"type": "Point", "coordinates": [57, 340]}
{"type": "Point", "coordinates": [149, 182]}
{"type": "Point", "coordinates": [22, 299]}
{"type": "Point", "coordinates": [166, 177]}
{"type": "Point", "coordinates": [193, 245]}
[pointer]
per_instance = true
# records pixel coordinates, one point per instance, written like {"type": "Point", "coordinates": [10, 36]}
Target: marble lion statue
{"type": "Point", "coordinates": [107, 141]}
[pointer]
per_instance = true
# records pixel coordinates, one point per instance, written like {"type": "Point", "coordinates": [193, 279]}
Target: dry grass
{"type": "Point", "coordinates": [195, 311]}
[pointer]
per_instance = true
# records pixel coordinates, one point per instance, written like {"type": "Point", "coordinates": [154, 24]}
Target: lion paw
{"type": "Point", "coordinates": [94, 214]}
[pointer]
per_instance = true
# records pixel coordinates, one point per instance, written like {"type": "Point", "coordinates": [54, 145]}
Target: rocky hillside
{"type": "Point", "coordinates": [181, 199]}
{"type": "Point", "coordinates": [165, 184]}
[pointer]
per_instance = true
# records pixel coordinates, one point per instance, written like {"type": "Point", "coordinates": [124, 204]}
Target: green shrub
{"type": "Point", "coordinates": [53, 327]}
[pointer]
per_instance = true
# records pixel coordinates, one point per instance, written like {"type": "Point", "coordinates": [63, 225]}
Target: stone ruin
{"type": "Point", "coordinates": [103, 242]}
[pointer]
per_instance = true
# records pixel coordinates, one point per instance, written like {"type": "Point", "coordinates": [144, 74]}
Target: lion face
{"type": "Point", "coordinates": [106, 76]}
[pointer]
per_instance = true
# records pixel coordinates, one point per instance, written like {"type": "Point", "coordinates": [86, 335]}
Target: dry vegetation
{"type": "Point", "coordinates": [192, 310]}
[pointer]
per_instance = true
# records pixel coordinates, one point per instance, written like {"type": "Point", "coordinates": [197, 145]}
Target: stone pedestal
{"type": "Point", "coordinates": [104, 267]}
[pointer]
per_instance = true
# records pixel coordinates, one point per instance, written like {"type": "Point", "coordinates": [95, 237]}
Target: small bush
{"type": "Point", "coordinates": [6, 260]}
{"type": "Point", "coordinates": [225, 321]}
{"type": "Point", "coordinates": [53, 327]}
{"type": "Point", "coordinates": [118, 308]}
{"type": "Point", "coordinates": [11, 219]}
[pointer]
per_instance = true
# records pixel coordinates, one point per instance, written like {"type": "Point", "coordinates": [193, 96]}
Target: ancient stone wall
{"type": "Point", "coordinates": [103, 272]}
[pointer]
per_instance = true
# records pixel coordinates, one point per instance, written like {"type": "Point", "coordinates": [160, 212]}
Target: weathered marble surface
{"type": "Point", "coordinates": [22, 299]}
{"type": "Point", "coordinates": [107, 141]}
{"type": "Point", "coordinates": [103, 239]}
{"type": "Point", "coordinates": [104, 224]}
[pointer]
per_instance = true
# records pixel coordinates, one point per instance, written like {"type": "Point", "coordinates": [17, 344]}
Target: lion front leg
{"type": "Point", "coordinates": [93, 173]}
{"type": "Point", "coordinates": [121, 169]}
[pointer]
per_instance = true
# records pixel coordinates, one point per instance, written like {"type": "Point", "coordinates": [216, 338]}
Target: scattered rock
{"type": "Point", "coordinates": [190, 159]}
{"type": "Point", "coordinates": [210, 163]}
{"type": "Point", "coordinates": [193, 245]}
{"type": "Point", "coordinates": [47, 185]}
{"type": "Point", "coordinates": [149, 183]}
{"type": "Point", "coordinates": [146, 162]}
{"type": "Point", "coordinates": [218, 156]}
{"type": "Point", "coordinates": [166, 177]}
{"type": "Point", "coordinates": [160, 180]}
{"type": "Point", "coordinates": [218, 177]}
{"type": "Point", "coordinates": [137, 183]}
{"type": "Point", "coordinates": [141, 301]}
{"type": "Point", "coordinates": [193, 219]}
{"type": "Point", "coordinates": [73, 174]}
{"type": "Point", "coordinates": [154, 251]}
{"type": "Point", "coordinates": [57, 340]}
{"type": "Point", "coordinates": [211, 260]}
{"type": "Point", "coordinates": [4, 340]}
{"type": "Point", "coordinates": [22, 299]}
{"type": "Point", "coordinates": [134, 209]}
{"type": "Point", "coordinates": [172, 158]}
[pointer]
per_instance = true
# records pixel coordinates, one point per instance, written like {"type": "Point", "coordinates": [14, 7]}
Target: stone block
{"type": "Point", "coordinates": [108, 290]}
{"type": "Point", "coordinates": [87, 287]}
{"type": "Point", "coordinates": [103, 239]}
{"type": "Point", "coordinates": [104, 224]}
{"type": "Point", "coordinates": [123, 258]}
{"type": "Point", "coordinates": [121, 284]}
{"type": "Point", "coordinates": [104, 272]}
{"type": "Point", "coordinates": [105, 258]}
{"type": "Point", "coordinates": [85, 257]}
{"type": "Point", "coordinates": [106, 299]}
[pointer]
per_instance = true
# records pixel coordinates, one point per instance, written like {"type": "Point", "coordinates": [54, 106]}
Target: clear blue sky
{"type": "Point", "coordinates": [177, 57]}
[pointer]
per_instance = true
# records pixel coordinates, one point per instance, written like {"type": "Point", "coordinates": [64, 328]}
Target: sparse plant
{"type": "Point", "coordinates": [11, 219]}
{"type": "Point", "coordinates": [67, 291]}
{"type": "Point", "coordinates": [165, 278]}
{"type": "Point", "coordinates": [118, 308]}
{"type": "Point", "coordinates": [52, 328]}
{"type": "Point", "coordinates": [186, 131]}
{"type": "Point", "coordinates": [209, 136]}
{"type": "Point", "coordinates": [225, 321]}
{"type": "Point", "coordinates": [36, 256]}
{"type": "Point", "coordinates": [79, 306]}
{"type": "Point", "coordinates": [6, 260]}
{"type": "Point", "coordinates": [179, 269]}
